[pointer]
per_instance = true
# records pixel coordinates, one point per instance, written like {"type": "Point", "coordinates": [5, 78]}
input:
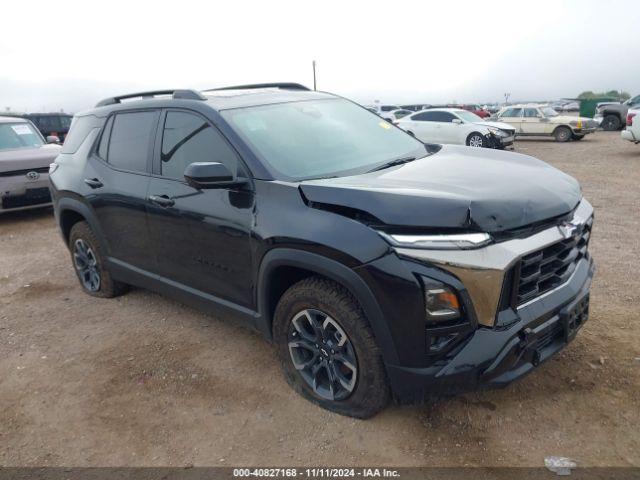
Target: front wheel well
{"type": "Point", "coordinates": [280, 280]}
{"type": "Point", "coordinates": [68, 218]}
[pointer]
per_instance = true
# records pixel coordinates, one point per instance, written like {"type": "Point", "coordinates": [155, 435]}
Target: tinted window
{"type": "Point", "coordinates": [80, 128]}
{"type": "Point", "coordinates": [444, 116]}
{"type": "Point", "coordinates": [188, 138]}
{"type": "Point", "coordinates": [104, 140]}
{"type": "Point", "coordinates": [131, 139]}
{"type": "Point", "coordinates": [65, 122]}
{"type": "Point", "coordinates": [424, 117]}
{"type": "Point", "coordinates": [530, 112]}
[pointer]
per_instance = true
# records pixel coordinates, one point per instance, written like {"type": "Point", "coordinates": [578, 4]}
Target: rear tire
{"type": "Point", "coordinates": [611, 122]}
{"type": "Point", "coordinates": [90, 265]}
{"type": "Point", "coordinates": [328, 352]}
{"type": "Point", "coordinates": [476, 139]}
{"type": "Point", "coordinates": [563, 134]}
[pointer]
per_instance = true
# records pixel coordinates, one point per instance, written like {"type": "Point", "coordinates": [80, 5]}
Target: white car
{"type": "Point", "coordinates": [458, 127]}
{"type": "Point", "coordinates": [632, 131]}
{"type": "Point", "coordinates": [384, 111]}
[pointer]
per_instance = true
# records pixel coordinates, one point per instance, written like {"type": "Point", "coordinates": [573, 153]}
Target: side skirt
{"type": "Point", "coordinates": [198, 299]}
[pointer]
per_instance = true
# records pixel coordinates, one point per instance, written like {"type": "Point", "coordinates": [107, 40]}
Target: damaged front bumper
{"type": "Point", "coordinates": [518, 328]}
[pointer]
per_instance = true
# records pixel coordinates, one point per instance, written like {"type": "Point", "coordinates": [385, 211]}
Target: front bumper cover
{"type": "Point", "coordinates": [494, 357]}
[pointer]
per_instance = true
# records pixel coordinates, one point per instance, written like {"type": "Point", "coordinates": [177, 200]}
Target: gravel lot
{"type": "Point", "coordinates": [142, 380]}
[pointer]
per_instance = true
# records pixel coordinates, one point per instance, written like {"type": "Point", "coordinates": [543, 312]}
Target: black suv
{"type": "Point", "coordinates": [380, 266]}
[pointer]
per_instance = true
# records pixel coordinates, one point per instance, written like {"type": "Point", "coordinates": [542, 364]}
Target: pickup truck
{"type": "Point", "coordinates": [612, 116]}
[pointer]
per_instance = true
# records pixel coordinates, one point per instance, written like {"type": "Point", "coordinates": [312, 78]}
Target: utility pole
{"type": "Point", "coordinates": [313, 63]}
{"type": "Point", "coordinates": [506, 97]}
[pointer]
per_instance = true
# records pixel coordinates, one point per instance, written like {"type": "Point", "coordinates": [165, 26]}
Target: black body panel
{"type": "Point", "coordinates": [457, 187]}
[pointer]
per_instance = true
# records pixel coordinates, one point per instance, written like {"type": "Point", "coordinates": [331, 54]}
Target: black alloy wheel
{"type": "Point", "coordinates": [323, 355]}
{"type": "Point", "coordinates": [86, 266]}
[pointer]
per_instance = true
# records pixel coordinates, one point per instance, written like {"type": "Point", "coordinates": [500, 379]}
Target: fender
{"type": "Point", "coordinates": [334, 270]}
{"type": "Point", "coordinates": [70, 203]}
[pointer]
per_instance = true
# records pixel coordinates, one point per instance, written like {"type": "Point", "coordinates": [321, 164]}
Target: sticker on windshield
{"type": "Point", "coordinates": [22, 129]}
{"type": "Point", "coordinates": [385, 125]}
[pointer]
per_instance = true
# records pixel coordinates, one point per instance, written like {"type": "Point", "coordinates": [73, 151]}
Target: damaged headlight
{"type": "Point", "coordinates": [497, 132]}
{"type": "Point", "coordinates": [462, 241]}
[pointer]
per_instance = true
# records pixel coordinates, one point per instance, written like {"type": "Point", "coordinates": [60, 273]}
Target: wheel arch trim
{"type": "Point", "coordinates": [68, 204]}
{"type": "Point", "coordinates": [345, 276]}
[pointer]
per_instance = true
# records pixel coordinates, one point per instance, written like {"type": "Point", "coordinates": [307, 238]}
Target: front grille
{"type": "Point", "coordinates": [34, 196]}
{"type": "Point", "coordinates": [17, 173]}
{"type": "Point", "coordinates": [550, 267]}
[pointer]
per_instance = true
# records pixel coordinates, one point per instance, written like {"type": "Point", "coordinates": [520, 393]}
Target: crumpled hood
{"type": "Point", "coordinates": [458, 187]}
{"type": "Point", "coordinates": [24, 158]}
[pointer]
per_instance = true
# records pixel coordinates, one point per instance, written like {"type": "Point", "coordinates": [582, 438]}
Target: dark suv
{"type": "Point", "coordinates": [379, 266]}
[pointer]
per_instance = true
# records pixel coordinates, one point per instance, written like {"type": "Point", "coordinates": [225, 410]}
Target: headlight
{"type": "Point", "coordinates": [441, 303]}
{"type": "Point", "coordinates": [463, 241]}
{"type": "Point", "coordinates": [497, 132]}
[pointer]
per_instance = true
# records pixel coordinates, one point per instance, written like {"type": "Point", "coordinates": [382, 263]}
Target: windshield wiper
{"type": "Point", "coordinates": [393, 163]}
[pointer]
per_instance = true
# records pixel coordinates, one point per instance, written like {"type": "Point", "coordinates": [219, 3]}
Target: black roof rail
{"type": "Point", "coordinates": [184, 94]}
{"type": "Point", "coordinates": [282, 85]}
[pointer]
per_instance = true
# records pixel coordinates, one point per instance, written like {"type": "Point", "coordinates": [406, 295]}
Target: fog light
{"type": "Point", "coordinates": [441, 302]}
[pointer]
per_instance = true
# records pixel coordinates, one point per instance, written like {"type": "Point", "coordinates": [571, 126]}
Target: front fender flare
{"type": "Point", "coordinates": [334, 270]}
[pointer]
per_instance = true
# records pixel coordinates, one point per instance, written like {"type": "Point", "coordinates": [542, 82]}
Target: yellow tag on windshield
{"type": "Point", "coordinates": [385, 125]}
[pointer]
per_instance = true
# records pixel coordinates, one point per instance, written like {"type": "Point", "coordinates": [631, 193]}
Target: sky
{"type": "Point", "coordinates": [69, 55]}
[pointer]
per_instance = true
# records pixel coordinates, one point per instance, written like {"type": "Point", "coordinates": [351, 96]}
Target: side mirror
{"type": "Point", "coordinates": [210, 175]}
{"type": "Point", "coordinates": [457, 121]}
{"type": "Point", "coordinates": [53, 139]}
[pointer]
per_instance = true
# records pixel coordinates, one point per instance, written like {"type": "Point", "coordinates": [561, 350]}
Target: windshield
{"type": "Point", "coordinates": [468, 116]}
{"type": "Point", "coordinates": [549, 112]}
{"type": "Point", "coordinates": [18, 135]}
{"type": "Point", "coordinates": [321, 138]}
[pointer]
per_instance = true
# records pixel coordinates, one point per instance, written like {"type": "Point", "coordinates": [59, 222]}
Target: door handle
{"type": "Point", "coordinates": [93, 182]}
{"type": "Point", "coordinates": [162, 200]}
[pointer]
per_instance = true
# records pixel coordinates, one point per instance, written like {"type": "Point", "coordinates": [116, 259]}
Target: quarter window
{"type": "Point", "coordinates": [130, 140]}
{"type": "Point", "coordinates": [104, 140]}
{"type": "Point", "coordinates": [188, 138]}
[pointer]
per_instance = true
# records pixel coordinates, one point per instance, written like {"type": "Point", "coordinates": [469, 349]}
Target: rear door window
{"type": "Point", "coordinates": [131, 140]}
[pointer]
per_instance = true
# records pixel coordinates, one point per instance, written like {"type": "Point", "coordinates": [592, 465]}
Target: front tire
{"type": "Point", "coordinates": [89, 263]}
{"type": "Point", "coordinates": [563, 134]}
{"type": "Point", "coordinates": [328, 352]}
{"type": "Point", "coordinates": [476, 139]}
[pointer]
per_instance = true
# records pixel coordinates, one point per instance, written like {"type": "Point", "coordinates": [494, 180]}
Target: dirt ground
{"type": "Point", "coordinates": [142, 380]}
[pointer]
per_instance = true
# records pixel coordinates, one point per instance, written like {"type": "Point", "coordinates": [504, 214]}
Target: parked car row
{"type": "Point", "coordinates": [458, 127]}
{"type": "Point", "coordinates": [49, 124]}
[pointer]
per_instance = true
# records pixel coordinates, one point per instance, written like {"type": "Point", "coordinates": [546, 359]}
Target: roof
{"type": "Point", "coordinates": [443, 109]}
{"type": "Point", "coordinates": [219, 98]}
{"type": "Point", "coordinates": [228, 99]}
{"type": "Point", "coordinates": [10, 119]}
{"type": "Point", "coordinates": [526, 105]}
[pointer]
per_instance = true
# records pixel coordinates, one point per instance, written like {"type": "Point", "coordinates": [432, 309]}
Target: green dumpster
{"type": "Point", "coordinates": [588, 106]}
